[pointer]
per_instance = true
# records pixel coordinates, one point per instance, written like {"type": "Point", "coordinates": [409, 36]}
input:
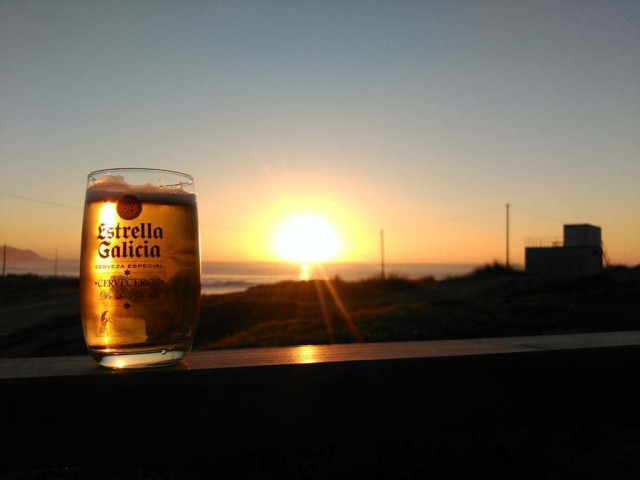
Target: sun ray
{"type": "Point", "coordinates": [342, 309]}
{"type": "Point", "coordinates": [322, 300]}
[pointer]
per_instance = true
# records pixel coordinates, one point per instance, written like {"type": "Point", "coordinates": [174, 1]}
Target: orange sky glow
{"type": "Point", "coordinates": [422, 120]}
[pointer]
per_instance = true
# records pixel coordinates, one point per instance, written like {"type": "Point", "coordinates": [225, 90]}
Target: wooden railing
{"type": "Point", "coordinates": [65, 410]}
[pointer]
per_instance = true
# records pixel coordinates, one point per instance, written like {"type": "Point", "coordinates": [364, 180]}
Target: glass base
{"type": "Point", "coordinates": [144, 359]}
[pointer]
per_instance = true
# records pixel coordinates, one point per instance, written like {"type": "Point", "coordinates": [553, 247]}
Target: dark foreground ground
{"type": "Point", "coordinates": [592, 451]}
{"type": "Point", "coordinates": [597, 444]}
{"type": "Point", "coordinates": [542, 414]}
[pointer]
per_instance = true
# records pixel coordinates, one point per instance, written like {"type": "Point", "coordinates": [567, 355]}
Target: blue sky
{"type": "Point", "coordinates": [422, 118]}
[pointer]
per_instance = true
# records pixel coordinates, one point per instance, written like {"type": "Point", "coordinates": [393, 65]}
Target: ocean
{"type": "Point", "coordinates": [227, 277]}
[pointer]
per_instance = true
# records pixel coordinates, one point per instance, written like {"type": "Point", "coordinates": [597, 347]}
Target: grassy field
{"type": "Point", "coordinates": [492, 301]}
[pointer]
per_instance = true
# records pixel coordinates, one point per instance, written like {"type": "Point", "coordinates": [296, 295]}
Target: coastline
{"type": "Point", "coordinates": [229, 277]}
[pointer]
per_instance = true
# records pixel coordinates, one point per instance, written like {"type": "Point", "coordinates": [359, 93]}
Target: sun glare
{"type": "Point", "coordinates": [306, 239]}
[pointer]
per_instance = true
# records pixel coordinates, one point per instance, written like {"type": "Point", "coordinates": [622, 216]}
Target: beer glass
{"type": "Point", "coordinates": [140, 267]}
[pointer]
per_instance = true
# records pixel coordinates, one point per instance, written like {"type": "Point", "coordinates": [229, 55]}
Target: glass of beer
{"type": "Point", "coordinates": [140, 267]}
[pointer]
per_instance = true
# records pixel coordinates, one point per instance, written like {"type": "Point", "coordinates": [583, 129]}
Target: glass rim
{"type": "Point", "coordinates": [140, 169]}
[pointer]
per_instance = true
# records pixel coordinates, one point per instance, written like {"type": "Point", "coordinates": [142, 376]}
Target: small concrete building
{"type": "Point", "coordinates": [579, 254]}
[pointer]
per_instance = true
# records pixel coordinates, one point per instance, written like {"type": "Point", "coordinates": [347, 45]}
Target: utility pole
{"type": "Point", "coordinates": [507, 235]}
{"type": "Point", "coordinates": [4, 259]}
{"type": "Point", "coordinates": [382, 254]}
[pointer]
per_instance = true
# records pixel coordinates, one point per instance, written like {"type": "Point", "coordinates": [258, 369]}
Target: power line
{"type": "Point", "coordinates": [240, 228]}
{"type": "Point", "coordinates": [507, 262]}
{"type": "Point", "coordinates": [544, 217]}
{"type": "Point", "coordinates": [364, 229]}
{"type": "Point", "coordinates": [37, 200]}
{"type": "Point", "coordinates": [382, 254]}
{"type": "Point", "coordinates": [468, 215]}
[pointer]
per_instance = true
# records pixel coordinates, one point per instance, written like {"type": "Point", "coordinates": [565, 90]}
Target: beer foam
{"type": "Point", "coordinates": [111, 187]}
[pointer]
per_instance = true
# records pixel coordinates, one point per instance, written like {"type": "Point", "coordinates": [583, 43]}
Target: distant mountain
{"type": "Point", "coordinates": [19, 255]}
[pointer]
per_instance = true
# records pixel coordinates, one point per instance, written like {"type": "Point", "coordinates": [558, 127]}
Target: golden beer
{"type": "Point", "coordinates": [140, 267]}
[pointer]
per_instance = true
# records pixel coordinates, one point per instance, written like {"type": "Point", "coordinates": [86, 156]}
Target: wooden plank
{"type": "Point", "coordinates": [307, 354]}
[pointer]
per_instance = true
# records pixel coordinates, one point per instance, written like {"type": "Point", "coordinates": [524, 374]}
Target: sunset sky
{"type": "Point", "coordinates": [419, 118]}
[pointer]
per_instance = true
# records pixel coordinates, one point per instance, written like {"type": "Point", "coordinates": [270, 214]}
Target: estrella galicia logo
{"type": "Point", "coordinates": [129, 207]}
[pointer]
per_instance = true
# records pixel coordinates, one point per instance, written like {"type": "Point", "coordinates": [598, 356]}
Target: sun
{"type": "Point", "coordinates": [306, 239]}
